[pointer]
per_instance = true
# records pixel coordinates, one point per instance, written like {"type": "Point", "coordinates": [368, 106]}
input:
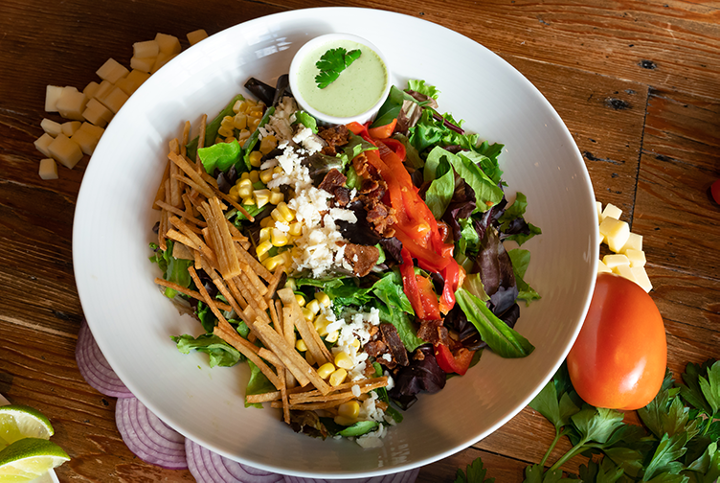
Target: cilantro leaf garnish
{"type": "Point", "coordinates": [332, 63]}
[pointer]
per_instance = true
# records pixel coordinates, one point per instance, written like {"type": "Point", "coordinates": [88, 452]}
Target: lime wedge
{"type": "Point", "coordinates": [18, 422]}
{"type": "Point", "coordinates": [28, 458]}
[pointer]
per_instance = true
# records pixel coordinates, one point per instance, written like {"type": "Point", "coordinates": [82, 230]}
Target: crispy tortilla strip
{"type": "Point", "coordinates": [189, 170]}
{"type": "Point", "coordinates": [230, 335]}
{"type": "Point", "coordinates": [239, 237]}
{"type": "Point", "coordinates": [315, 396]}
{"type": "Point", "coordinates": [256, 266]}
{"type": "Point", "coordinates": [314, 406]}
{"type": "Point", "coordinates": [197, 242]}
{"type": "Point", "coordinates": [175, 190]}
{"type": "Point", "coordinates": [182, 252]}
{"type": "Point", "coordinates": [277, 276]}
{"type": "Point", "coordinates": [293, 361]}
{"type": "Point", "coordinates": [314, 343]}
{"type": "Point", "coordinates": [180, 213]}
{"type": "Point", "coordinates": [160, 195]}
{"type": "Point", "coordinates": [174, 146]}
{"type": "Point", "coordinates": [189, 293]}
{"type": "Point", "coordinates": [275, 395]}
{"type": "Point", "coordinates": [192, 184]}
{"type": "Point", "coordinates": [186, 134]}
{"type": "Point", "coordinates": [236, 293]}
{"type": "Point", "coordinates": [221, 239]}
{"type": "Point", "coordinates": [271, 358]}
{"type": "Point", "coordinates": [255, 287]}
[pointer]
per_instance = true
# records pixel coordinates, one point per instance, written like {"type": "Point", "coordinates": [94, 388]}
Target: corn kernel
{"type": "Point", "coordinates": [323, 299]}
{"type": "Point", "coordinates": [326, 370]}
{"type": "Point", "coordinates": [343, 360]}
{"type": "Point", "coordinates": [227, 120]}
{"type": "Point", "coordinates": [350, 409]}
{"type": "Point", "coordinates": [314, 306]}
{"type": "Point", "coordinates": [332, 336]}
{"type": "Point", "coordinates": [309, 358]}
{"type": "Point", "coordinates": [290, 283]}
{"type": "Point", "coordinates": [245, 191]}
{"type": "Point", "coordinates": [254, 176]}
{"type": "Point", "coordinates": [287, 214]}
{"type": "Point", "coordinates": [300, 345]}
{"type": "Point", "coordinates": [261, 197]}
{"type": "Point", "coordinates": [233, 193]}
{"type": "Point", "coordinates": [267, 144]}
{"type": "Point", "coordinates": [275, 214]}
{"type": "Point", "coordinates": [240, 105]}
{"type": "Point", "coordinates": [255, 158]}
{"type": "Point", "coordinates": [240, 121]}
{"type": "Point", "coordinates": [307, 313]}
{"type": "Point", "coordinates": [267, 222]}
{"type": "Point", "coordinates": [218, 140]}
{"type": "Point", "coordinates": [263, 257]}
{"type": "Point", "coordinates": [263, 247]}
{"type": "Point", "coordinates": [266, 177]}
{"type": "Point", "coordinates": [265, 233]}
{"type": "Point", "coordinates": [253, 123]}
{"type": "Point", "coordinates": [225, 131]}
{"type": "Point", "coordinates": [243, 136]}
{"type": "Point", "coordinates": [280, 239]}
{"type": "Point", "coordinates": [275, 195]}
{"type": "Point", "coordinates": [278, 170]}
{"type": "Point", "coordinates": [248, 201]}
{"type": "Point", "coordinates": [300, 299]}
{"type": "Point", "coordinates": [343, 421]}
{"type": "Point", "coordinates": [255, 113]}
{"type": "Point", "coordinates": [245, 175]}
{"type": "Point", "coordinates": [272, 262]}
{"type": "Point", "coordinates": [295, 229]}
{"type": "Point", "coordinates": [355, 343]}
{"type": "Point", "coordinates": [337, 377]}
{"type": "Point", "coordinates": [321, 323]}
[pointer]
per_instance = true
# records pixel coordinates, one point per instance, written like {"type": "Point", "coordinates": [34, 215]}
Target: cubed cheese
{"type": "Point", "coordinates": [52, 94]}
{"type": "Point", "coordinates": [612, 211]}
{"type": "Point", "coordinates": [133, 80]}
{"type": "Point", "coordinates": [51, 127]}
{"type": "Point", "coordinates": [42, 143]}
{"type": "Point", "coordinates": [143, 64]}
{"type": "Point", "coordinates": [634, 242]}
{"type": "Point", "coordinates": [612, 261]}
{"type": "Point", "coordinates": [94, 131]}
{"type": "Point", "coordinates": [86, 141]}
{"type": "Point", "coordinates": [602, 267]}
{"type": "Point", "coordinates": [91, 89]}
{"type": "Point", "coordinates": [636, 257]}
{"type": "Point", "coordinates": [615, 232]}
{"type": "Point", "coordinates": [112, 71]}
{"type": "Point", "coordinates": [71, 104]}
{"type": "Point", "coordinates": [624, 271]}
{"type": "Point", "coordinates": [97, 113]}
{"type": "Point", "coordinates": [69, 128]}
{"type": "Point", "coordinates": [48, 169]}
{"type": "Point", "coordinates": [641, 278]}
{"type": "Point", "coordinates": [104, 89]}
{"type": "Point", "coordinates": [168, 44]}
{"type": "Point", "coordinates": [598, 205]}
{"type": "Point", "coordinates": [161, 60]}
{"type": "Point", "coordinates": [148, 48]}
{"type": "Point", "coordinates": [65, 151]}
{"type": "Point", "coordinates": [115, 99]}
{"type": "Point", "coordinates": [196, 36]}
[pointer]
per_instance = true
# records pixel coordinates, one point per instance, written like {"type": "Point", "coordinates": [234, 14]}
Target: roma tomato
{"type": "Point", "coordinates": [619, 358]}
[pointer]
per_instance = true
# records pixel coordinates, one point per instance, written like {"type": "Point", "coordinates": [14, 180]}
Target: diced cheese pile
{"type": "Point", "coordinates": [628, 259]}
{"type": "Point", "coordinates": [91, 109]}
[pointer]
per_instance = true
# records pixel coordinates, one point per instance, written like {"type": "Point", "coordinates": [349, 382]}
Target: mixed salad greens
{"type": "Point", "coordinates": [390, 236]}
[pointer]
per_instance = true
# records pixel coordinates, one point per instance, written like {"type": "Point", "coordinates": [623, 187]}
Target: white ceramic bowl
{"type": "Point", "coordinates": [310, 47]}
{"type": "Point", "coordinates": [132, 321]}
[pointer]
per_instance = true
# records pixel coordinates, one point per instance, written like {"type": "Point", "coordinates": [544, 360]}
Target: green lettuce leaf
{"type": "Point", "coordinates": [220, 352]}
{"type": "Point", "coordinates": [221, 156]}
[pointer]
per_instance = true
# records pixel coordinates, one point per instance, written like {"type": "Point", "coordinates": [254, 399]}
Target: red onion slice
{"type": "Point", "coordinates": [149, 438]}
{"type": "Point", "coordinates": [209, 467]}
{"type": "Point", "coordinates": [94, 367]}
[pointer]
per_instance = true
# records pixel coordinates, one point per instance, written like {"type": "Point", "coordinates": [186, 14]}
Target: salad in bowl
{"type": "Point", "coordinates": [351, 266]}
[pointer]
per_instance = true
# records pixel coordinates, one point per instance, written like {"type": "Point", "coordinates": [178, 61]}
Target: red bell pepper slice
{"type": "Point", "coordinates": [383, 132]}
{"type": "Point", "coordinates": [397, 147]}
{"type": "Point", "coordinates": [457, 361]}
{"type": "Point", "coordinates": [410, 286]}
{"type": "Point", "coordinates": [451, 274]}
{"type": "Point", "coordinates": [428, 298]}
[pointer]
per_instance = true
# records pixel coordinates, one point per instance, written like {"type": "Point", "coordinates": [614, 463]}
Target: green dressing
{"type": "Point", "coordinates": [358, 88]}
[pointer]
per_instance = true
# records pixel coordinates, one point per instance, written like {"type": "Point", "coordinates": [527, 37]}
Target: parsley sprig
{"type": "Point", "coordinates": [332, 63]}
{"type": "Point", "coordinates": [678, 442]}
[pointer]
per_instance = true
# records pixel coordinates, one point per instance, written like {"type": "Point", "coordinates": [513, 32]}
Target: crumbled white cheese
{"type": "Point", "coordinates": [280, 123]}
{"type": "Point", "coordinates": [353, 327]}
{"type": "Point", "coordinates": [355, 390]}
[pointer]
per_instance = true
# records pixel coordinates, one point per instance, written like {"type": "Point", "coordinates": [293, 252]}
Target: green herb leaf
{"type": "Point", "coordinates": [219, 351]}
{"type": "Point", "coordinates": [332, 63]}
{"type": "Point", "coordinates": [668, 450]}
{"type": "Point", "coordinates": [474, 473]}
{"type": "Point", "coordinates": [597, 424]}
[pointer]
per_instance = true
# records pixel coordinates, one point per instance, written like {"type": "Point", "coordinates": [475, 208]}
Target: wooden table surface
{"type": "Point", "coordinates": [637, 83]}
